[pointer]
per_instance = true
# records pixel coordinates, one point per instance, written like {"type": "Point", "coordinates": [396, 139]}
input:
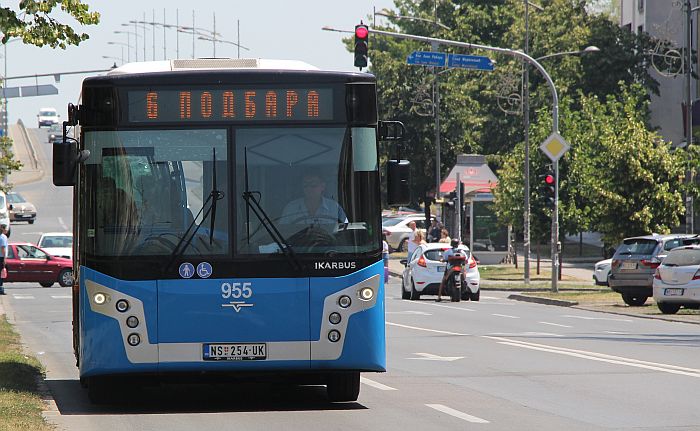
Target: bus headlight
{"type": "Point", "coordinates": [122, 305]}
{"type": "Point", "coordinates": [99, 298]}
{"type": "Point", "coordinates": [334, 318]}
{"type": "Point", "coordinates": [366, 293]}
{"type": "Point", "coordinates": [344, 301]}
{"type": "Point", "coordinates": [334, 336]}
{"type": "Point", "coordinates": [133, 339]}
{"type": "Point", "coordinates": [132, 321]}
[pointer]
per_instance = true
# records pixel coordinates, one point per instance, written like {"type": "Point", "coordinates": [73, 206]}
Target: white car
{"type": "Point", "coordinates": [677, 280]}
{"type": "Point", "coordinates": [57, 244]}
{"type": "Point", "coordinates": [425, 268]}
{"type": "Point", "coordinates": [47, 117]}
{"type": "Point", "coordinates": [396, 229]}
{"type": "Point", "coordinates": [602, 272]}
{"type": "Point", "coordinates": [4, 212]}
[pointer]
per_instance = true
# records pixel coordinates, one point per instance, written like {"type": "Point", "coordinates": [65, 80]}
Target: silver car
{"type": "Point", "coordinates": [396, 229]}
{"type": "Point", "coordinates": [634, 263]}
{"type": "Point", "coordinates": [677, 280]}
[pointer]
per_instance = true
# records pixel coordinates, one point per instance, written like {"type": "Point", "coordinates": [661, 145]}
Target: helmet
{"type": "Point", "coordinates": [454, 243]}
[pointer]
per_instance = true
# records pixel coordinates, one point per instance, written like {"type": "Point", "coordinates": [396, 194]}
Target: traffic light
{"type": "Point", "coordinates": [547, 188]}
{"type": "Point", "coordinates": [460, 191]}
{"type": "Point", "coordinates": [361, 45]}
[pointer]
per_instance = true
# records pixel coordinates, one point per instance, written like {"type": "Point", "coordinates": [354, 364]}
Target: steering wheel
{"type": "Point", "coordinates": [308, 239]}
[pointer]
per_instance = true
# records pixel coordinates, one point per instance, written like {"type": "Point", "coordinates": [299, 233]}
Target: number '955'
{"type": "Point", "coordinates": [236, 290]}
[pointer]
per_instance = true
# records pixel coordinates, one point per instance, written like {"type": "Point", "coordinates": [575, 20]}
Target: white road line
{"type": "Point", "coordinates": [376, 385]}
{"type": "Point", "coordinates": [596, 318]}
{"type": "Point", "coordinates": [62, 223]}
{"type": "Point", "coordinates": [61, 296]}
{"type": "Point", "coordinates": [418, 313]}
{"type": "Point", "coordinates": [505, 315]}
{"type": "Point", "coordinates": [23, 296]}
{"type": "Point", "coordinates": [523, 334]}
{"type": "Point", "coordinates": [457, 414]}
{"type": "Point", "coordinates": [556, 324]}
{"type": "Point", "coordinates": [601, 357]}
{"type": "Point", "coordinates": [432, 304]}
{"type": "Point", "coordinates": [431, 357]}
{"type": "Point", "coordinates": [426, 329]}
{"type": "Point", "coordinates": [616, 332]}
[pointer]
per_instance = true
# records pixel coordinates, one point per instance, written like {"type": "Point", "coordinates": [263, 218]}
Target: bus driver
{"type": "Point", "coordinates": [313, 208]}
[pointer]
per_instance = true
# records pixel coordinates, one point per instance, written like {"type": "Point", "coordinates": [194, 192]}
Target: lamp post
{"type": "Point", "coordinates": [122, 44]}
{"type": "Point", "coordinates": [128, 41]}
{"type": "Point", "coordinates": [214, 39]}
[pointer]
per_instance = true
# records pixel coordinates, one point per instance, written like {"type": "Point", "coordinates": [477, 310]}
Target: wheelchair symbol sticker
{"type": "Point", "coordinates": [204, 270]}
{"type": "Point", "coordinates": [186, 270]}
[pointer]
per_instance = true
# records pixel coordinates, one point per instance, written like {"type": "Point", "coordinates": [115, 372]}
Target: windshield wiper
{"type": "Point", "coordinates": [214, 196]}
{"type": "Point", "coordinates": [252, 203]}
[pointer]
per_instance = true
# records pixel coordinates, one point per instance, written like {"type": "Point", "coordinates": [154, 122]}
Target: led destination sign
{"type": "Point", "coordinates": [235, 105]}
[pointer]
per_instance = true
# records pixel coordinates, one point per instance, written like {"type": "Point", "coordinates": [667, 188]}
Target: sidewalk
{"type": "Point", "coordinates": [32, 169]}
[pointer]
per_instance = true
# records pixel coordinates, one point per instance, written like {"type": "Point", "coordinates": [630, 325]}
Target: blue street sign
{"type": "Point", "coordinates": [476, 62]}
{"type": "Point", "coordinates": [427, 58]}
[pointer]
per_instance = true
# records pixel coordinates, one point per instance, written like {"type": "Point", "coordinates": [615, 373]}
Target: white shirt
{"type": "Point", "coordinates": [328, 211]}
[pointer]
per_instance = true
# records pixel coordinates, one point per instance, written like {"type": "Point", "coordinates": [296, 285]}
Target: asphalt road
{"type": "Point", "coordinates": [493, 365]}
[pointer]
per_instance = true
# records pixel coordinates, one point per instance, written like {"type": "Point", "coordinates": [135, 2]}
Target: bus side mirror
{"type": "Point", "coordinates": [65, 162]}
{"type": "Point", "coordinates": [398, 181]}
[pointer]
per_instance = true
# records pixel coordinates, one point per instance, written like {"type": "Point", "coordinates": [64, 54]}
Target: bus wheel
{"type": "Point", "coordinates": [343, 386]}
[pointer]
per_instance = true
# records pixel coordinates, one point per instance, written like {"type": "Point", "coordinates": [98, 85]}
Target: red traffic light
{"type": "Point", "coordinates": [549, 179]}
{"type": "Point", "coordinates": [361, 31]}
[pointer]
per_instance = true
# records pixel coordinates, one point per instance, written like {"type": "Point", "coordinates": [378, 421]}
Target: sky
{"type": "Point", "coordinates": [277, 29]}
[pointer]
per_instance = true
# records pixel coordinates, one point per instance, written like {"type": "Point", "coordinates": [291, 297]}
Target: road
{"type": "Point", "coordinates": [493, 365]}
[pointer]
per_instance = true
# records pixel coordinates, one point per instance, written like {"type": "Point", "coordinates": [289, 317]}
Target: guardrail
{"type": "Point", "coordinates": [28, 144]}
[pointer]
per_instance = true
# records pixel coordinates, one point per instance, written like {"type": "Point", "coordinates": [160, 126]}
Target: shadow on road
{"type": "Point", "coordinates": [72, 399]}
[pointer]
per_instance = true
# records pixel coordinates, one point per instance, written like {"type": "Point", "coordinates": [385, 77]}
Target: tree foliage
{"type": "Point", "coordinates": [35, 24]}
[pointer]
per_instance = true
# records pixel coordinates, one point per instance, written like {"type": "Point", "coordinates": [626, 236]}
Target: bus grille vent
{"type": "Point", "coordinates": [216, 63]}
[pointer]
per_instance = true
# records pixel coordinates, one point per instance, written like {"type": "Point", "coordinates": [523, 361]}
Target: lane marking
{"type": "Point", "coordinates": [23, 296]}
{"type": "Point", "coordinates": [617, 332]}
{"type": "Point", "coordinates": [376, 385]}
{"type": "Point", "coordinates": [432, 304]}
{"type": "Point", "coordinates": [61, 296]}
{"type": "Point", "coordinates": [505, 315]}
{"type": "Point", "coordinates": [457, 414]}
{"type": "Point", "coordinates": [63, 225]}
{"type": "Point", "coordinates": [431, 357]}
{"type": "Point", "coordinates": [556, 324]}
{"type": "Point", "coordinates": [523, 334]}
{"type": "Point", "coordinates": [426, 329]}
{"type": "Point", "coordinates": [419, 313]}
{"type": "Point", "coordinates": [596, 318]}
{"type": "Point", "coordinates": [601, 357]}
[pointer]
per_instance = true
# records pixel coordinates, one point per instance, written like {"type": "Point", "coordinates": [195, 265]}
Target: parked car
{"type": "Point", "coordinates": [47, 117]}
{"type": "Point", "coordinates": [57, 244]}
{"type": "Point", "coordinates": [602, 272]}
{"type": "Point", "coordinates": [55, 133]}
{"type": "Point", "coordinates": [396, 229]}
{"type": "Point", "coordinates": [634, 263]}
{"type": "Point", "coordinates": [677, 280]}
{"type": "Point", "coordinates": [425, 268]}
{"type": "Point", "coordinates": [4, 212]}
{"type": "Point", "coordinates": [26, 262]}
{"type": "Point", "coordinates": [20, 209]}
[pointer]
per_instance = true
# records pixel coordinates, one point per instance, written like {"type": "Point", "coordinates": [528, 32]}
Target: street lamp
{"type": "Point", "coordinates": [587, 50]}
{"type": "Point", "coordinates": [214, 39]}
{"type": "Point", "coordinates": [128, 41]}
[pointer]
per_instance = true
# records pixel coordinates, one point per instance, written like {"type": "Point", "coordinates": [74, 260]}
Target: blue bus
{"type": "Point", "coordinates": [227, 223]}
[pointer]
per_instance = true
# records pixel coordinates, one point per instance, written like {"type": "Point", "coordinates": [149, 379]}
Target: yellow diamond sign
{"type": "Point", "coordinates": [555, 146]}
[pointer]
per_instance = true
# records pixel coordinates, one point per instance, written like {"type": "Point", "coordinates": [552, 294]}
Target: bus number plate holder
{"type": "Point", "coordinates": [234, 352]}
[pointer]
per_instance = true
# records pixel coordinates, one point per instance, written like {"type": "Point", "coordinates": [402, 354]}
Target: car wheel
{"type": "Point", "coordinates": [30, 221]}
{"type": "Point", "coordinates": [607, 280]}
{"type": "Point", "coordinates": [668, 308]}
{"type": "Point", "coordinates": [65, 278]}
{"type": "Point", "coordinates": [415, 296]}
{"type": "Point", "coordinates": [475, 296]}
{"type": "Point", "coordinates": [402, 245]}
{"type": "Point", "coordinates": [46, 283]}
{"type": "Point", "coordinates": [404, 293]}
{"type": "Point", "coordinates": [634, 300]}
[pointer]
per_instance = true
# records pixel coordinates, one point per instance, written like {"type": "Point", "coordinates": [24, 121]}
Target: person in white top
{"type": "Point", "coordinates": [313, 208]}
{"type": "Point", "coordinates": [411, 243]}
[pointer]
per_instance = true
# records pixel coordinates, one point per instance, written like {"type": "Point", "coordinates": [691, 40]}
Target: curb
{"type": "Point", "coordinates": [643, 316]}
{"type": "Point", "coordinates": [540, 300]}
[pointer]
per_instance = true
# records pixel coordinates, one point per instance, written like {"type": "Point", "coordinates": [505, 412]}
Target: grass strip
{"type": "Point", "coordinates": [20, 402]}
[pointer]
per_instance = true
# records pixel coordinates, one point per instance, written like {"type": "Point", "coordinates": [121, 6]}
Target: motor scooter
{"type": "Point", "coordinates": [455, 276]}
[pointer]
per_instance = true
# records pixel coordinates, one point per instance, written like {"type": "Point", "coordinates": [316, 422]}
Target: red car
{"type": "Point", "coordinates": [26, 262]}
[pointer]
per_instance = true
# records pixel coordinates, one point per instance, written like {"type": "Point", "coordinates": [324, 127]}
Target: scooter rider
{"type": "Point", "coordinates": [445, 258]}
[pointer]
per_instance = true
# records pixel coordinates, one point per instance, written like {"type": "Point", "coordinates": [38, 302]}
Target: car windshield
{"type": "Point", "coordinates": [637, 246]}
{"type": "Point", "coordinates": [56, 241]}
{"type": "Point", "coordinates": [683, 257]}
{"type": "Point", "coordinates": [47, 113]}
{"type": "Point", "coordinates": [15, 198]}
{"type": "Point", "coordinates": [391, 221]}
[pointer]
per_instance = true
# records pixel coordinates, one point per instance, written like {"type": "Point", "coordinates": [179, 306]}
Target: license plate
{"type": "Point", "coordinates": [441, 268]}
{"type": "Point", "coordinates": [234, 352]}
{"type": "Point", "coordinates": [629, 265]}
{"type": "Point", "coordinates": [673, 292]}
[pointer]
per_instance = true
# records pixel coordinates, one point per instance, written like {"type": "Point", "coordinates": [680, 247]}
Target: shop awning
{"type": "Point", "coordinates": [474, 173]}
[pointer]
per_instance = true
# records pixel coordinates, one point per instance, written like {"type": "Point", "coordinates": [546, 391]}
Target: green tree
{"type": "Point", "coordinates": [33, 22]}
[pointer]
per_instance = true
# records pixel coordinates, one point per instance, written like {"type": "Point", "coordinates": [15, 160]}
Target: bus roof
{"type": "Point", "coordinates": [210, 64]}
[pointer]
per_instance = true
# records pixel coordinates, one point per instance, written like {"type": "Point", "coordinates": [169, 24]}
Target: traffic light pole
{"type": "Point", "coordinates": [555, 119]}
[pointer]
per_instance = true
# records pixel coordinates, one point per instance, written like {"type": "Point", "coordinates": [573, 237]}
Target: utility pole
{"type": "Point", "coordinates": [689, 211]}
{"type": "Point", "coordinates": [526, 168]}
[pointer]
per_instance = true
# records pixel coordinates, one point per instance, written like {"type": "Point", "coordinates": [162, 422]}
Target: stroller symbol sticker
{"type": "Point", "coordinates": [204, 270]}
{"type": "Point", "coordinates": [186, 270]}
